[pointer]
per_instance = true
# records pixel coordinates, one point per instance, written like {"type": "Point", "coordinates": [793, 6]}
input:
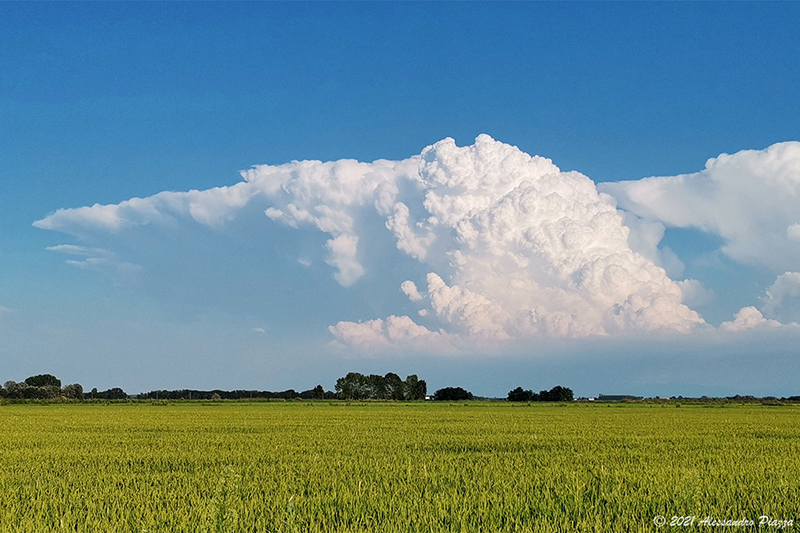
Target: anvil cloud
{"type": "Point", "coordinates": [508, 246]}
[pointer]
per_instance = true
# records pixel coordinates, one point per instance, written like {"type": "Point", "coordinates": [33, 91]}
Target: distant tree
{"type": "Point", "coordinates": [44, 392]}
{"type": "Point", "coordinates": [112, 394]}
{"type": "Point", "coordinates": [346, 387]}
{"type": "Point", "coordinates": [415, 388]}
{"type": "Point", "coordinates": [307, 394]}
{"type": "Point", "coordinates": [42, 380]}
{"type": "Point", "coordinates": [556, 394]}
{"type": "Point", "coordinates": [74, 391]}
{"type": "Point", "coordinates": [395, 388]}
{"type": "Point", "coordinates": [353, 386]}
{"type": "Point", "coordinates": [519, 395]}
{"type": "Point", "coordinates": [561, 394]}
{"type": "Point", "coordinates": [376, 387]}
{"type": "Point", "coordinates": [215, 397]}
{"type": "Point", "coordinates": [14, 389]}
{"type": "Point", "coordinates": [421, 390]}
{"type": "Point", "coordinates": [318, 393]}
{"type": "Point", "coordinates": [452, 394]}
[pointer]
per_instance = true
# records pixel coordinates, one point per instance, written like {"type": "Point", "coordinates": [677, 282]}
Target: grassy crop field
{"type": "Point", "coordinates": [382, 467]}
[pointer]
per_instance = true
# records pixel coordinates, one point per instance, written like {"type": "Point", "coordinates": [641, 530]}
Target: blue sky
{"type": "Point", "coordinates": [104, 102]}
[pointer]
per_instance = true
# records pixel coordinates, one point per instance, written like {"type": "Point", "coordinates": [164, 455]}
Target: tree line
{"type": "Point", "coordinates": [556, 394]}
{"type": "Point", "coordinates": [356, 386]}
{"type": "Point", "coordinates": [48, 387]}
{"type": "Point", "coordinates": [353, 386]}
{"type": "Point", "coordinates": [317, 393]}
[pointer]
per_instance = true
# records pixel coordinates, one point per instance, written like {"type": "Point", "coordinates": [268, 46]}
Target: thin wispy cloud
{"type": "Point", "coordinates": [98, 259]}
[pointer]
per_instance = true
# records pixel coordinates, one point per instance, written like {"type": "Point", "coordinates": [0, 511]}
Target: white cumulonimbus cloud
{"type": "Point", "coordinates": [512, 247]}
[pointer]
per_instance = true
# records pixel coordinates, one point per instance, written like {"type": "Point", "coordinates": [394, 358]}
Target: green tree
{"type": "Point", "coordinates": [395, 389]}
{"type": "Point", "coordinates": [353, 386]}
{"type": "Point", "coordinates": [42, 380]}
{"type": "Point", "coordinates": [318, 393]}
{"type": "Point", "coordinates": [377, 389]}
{"type": "Point", "coordinates": [452, 394]}
{"type": "Point", "coordinates": [415, 388]}
{"type": "Point", "coordinates": [45, 392]}
{"type": "Point", "coordinates": [14, 389]}
{"type": "Point", "coordinates": [74, 391]}
{"type": "Point", "coordinates": [112, 394]}
{"type": "Point", "coordinates": [560, 394]}
{"type": "Point", "coordinates": [556, 394]}
{"type": "Point", "coordinates": [519, 395]}
{"type": "Point", "coordinates": [421, 390]}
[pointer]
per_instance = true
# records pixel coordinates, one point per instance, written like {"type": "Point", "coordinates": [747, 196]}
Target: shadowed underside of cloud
{"type": "Point", "coordinates": [509, 246]}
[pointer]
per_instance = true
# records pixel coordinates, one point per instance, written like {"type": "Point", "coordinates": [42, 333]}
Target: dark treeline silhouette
{"type": "Point", "coordinates": [40, 387]}
{"type": "Point", "coordinates": [111, 394]}
{"type": "Point", "coordinates": [355, 386]}
{"type": "Point", "coordinates": [452, 394]}
{"type": "Point", "coordinates": [556, 394]}
{"type": "Point", "coordinates": [48, 387]}
{"type": "Point", "coordinates": [317, 393]}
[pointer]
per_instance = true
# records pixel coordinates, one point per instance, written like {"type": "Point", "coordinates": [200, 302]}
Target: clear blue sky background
{"type": "Point", "coordinates": [102, 102]}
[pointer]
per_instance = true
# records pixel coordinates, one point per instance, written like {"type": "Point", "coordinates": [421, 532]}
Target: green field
{"type": "Point", "coordinates": [382, 467]}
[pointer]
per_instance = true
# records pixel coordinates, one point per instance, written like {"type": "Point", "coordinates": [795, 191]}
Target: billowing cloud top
{"type": "Point", "coordinates": [512, 247]}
